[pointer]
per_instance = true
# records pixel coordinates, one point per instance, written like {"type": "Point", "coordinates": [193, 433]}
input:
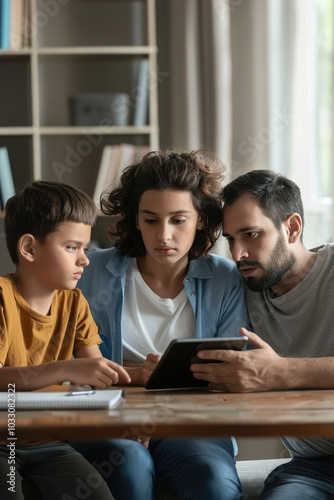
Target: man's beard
{"type": "Point", "coordinates": [279, 264]}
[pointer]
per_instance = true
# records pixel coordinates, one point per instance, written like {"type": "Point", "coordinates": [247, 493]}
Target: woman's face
{"type": "Point", "coordinates": [168, 222]}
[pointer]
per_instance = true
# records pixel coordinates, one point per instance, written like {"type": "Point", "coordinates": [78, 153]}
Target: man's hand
{"type": "Point", "coordinates": [255, 370]}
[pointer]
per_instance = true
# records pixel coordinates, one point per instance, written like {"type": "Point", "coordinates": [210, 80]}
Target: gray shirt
{"type": "Point", "coordinates": [300, 324]}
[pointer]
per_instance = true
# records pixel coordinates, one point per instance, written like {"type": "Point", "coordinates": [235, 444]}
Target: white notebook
{"type": "Point", "coordinates": [108, 398]}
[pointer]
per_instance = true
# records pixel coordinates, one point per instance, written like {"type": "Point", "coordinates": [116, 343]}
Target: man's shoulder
{"type": "Point", "coordinates": [325, 257]}
{"type": "Point", "coordinates": [327, 248]}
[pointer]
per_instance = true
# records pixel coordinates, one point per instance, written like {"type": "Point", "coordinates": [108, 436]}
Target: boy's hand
{"type": "Point", "coordinates": [98, 372]}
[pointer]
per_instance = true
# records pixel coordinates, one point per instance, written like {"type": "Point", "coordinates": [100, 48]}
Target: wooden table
{"type": "Point", "coordinates": [186, 414]}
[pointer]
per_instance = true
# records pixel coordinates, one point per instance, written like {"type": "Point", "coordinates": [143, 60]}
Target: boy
{"type": "Point", "coordinates": [44, 319]}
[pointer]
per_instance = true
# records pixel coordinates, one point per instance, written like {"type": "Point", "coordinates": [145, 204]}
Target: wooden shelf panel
{"type": "Point", "coordinates": [96, 130]}
{"type": "Point", "coordinates": [126, 50]}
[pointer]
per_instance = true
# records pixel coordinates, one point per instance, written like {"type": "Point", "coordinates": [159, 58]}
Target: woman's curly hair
{"type": "Point", "coordinates": [201, 173]}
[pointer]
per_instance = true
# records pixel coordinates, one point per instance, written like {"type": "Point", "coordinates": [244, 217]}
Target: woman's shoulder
{"type": "Point", "coordinates": [99, 257]}
{"type": "Point", "coordinates": [219, 263]}
{"type": "Point", "coordinates": [213, 266]}
{"type": "Point", "coordinates": [111, 259]}
{"type": "Point", "coordinates": [102, 253]}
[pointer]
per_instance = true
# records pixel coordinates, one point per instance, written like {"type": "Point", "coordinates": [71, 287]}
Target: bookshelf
{"type": "Point", "coordinates": [74, 47]}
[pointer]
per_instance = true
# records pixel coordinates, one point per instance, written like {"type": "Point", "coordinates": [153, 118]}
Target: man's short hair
{"type": "Point", "coordinates": [41, 207]}
{"type": "Point", "coordinates": [277, 195]}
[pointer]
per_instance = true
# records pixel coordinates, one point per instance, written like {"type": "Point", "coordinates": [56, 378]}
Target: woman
{"type": "Point", "coordinates": [157, 283]}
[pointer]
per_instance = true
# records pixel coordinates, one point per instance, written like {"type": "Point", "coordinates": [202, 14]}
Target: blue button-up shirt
{"type": "Point", "coordinates": [213, 286]}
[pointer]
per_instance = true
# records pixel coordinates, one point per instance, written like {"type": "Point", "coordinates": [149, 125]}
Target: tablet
{"type": "Point", "coordinates": [173, 369]}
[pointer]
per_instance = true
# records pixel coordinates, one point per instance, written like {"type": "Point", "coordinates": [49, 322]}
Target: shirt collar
{"type": "Point", "coordinates": [198, 268]}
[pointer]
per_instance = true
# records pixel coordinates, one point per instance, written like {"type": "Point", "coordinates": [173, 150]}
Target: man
{"type": "Point", "coordinates": [289, 292]}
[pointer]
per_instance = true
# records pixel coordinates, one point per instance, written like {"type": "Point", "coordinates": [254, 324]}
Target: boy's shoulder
{"type": "Point", "coordinates": [9, 293]}
{"type": "Point", "coordinates": [6, 284]}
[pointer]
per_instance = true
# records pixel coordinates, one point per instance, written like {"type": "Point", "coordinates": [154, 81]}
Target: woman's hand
{"type": "Point", "coordinates": [149, 365]}
{"type": "Point", "coordinates": [140, 373]}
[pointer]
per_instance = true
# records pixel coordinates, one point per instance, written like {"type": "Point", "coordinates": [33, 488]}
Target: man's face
{"type": "Point", "coordinates": [260, 250]}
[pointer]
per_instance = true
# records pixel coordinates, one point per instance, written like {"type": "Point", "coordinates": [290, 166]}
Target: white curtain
{"type": "Point", "coordinates": [293, 33]}
{"type": "Point", "coordinates": [200, 75]}
{"type": "Point", "coordinates": [243, 83]}
{"type": "Point", "coordinates": [200, 78]}
{"type": "Point", "coordinates": [294, 151]}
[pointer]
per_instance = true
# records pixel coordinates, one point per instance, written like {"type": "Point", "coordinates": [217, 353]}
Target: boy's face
{"type": "Point", "coordinates": [60, 260]}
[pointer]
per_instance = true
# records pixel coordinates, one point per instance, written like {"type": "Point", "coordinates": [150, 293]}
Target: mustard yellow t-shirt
{"type": "Point", "coordinates": [29, 338]}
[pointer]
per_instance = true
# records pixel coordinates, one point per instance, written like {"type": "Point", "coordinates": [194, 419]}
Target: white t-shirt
{"type": "Point", "coordinates": [150, 322]}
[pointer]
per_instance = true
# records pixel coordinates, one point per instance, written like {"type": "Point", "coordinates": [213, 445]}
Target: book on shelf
{"type": "Point", "coordinates": [5, 8]}
{"type": "Point", "coordinates": [113, 160]}
{"type": "Point", "coordinates": [127, 153]}
{"type": "Point", "coordinates": [26, 24]}
{"type": "Point", "coordinates": [141, 101]}
{"type": "Point", "coordinates": [103, 172]}
{"type": "Point", "coordinates": [63, 400]}
{"type": "Point", "coordinates": [16, 24]}
{"type": "Point", "coordinates": [7, 189]}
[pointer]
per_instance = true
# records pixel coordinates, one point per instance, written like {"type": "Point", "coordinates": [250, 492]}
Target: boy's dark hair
{"type": "Point", "coordinates": [199, 172]}
{"type": "Point", "coordinates": [277, 195]}
{"type": "Point", "coordinates": [41, 207]}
